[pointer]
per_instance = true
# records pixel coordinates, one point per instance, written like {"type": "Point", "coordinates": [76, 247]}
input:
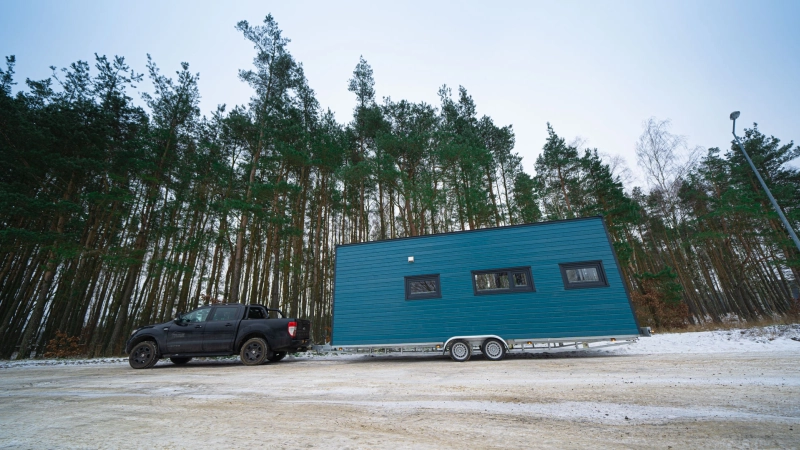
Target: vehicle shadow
{"type": "Point", "coordinates": [167, 364]}
{"type": "Point", "coordinates": [431, 357]}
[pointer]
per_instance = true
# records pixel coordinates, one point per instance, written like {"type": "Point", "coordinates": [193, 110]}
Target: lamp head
{"type": "Point", "coordinates": [734, 115]}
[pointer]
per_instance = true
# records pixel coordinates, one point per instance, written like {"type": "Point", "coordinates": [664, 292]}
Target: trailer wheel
{"type": "Point", "coordinates": [460, 351]}
{"type": "Point", "coordinates": [493, 349]}
{"type": "Point", "coordinates": [254, 352]}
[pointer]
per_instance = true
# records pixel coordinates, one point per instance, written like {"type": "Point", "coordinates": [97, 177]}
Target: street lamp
{"type": "Point", "coordinates": [734, 116]}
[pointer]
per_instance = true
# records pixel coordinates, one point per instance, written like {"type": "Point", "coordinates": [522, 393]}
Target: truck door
{"type": "Point", "coordinates": [220, 330]}
{"type": "Point", "coordinates": [187, 336]}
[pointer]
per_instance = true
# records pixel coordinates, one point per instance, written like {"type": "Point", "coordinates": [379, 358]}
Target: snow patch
{"type": "Point", "coordinates": [607, 413]}
{"type": "Point", "coordinates": [776, 338]}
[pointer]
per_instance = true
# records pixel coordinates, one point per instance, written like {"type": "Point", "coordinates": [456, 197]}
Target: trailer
{"type": "Point", "coordinates": [544, 286]}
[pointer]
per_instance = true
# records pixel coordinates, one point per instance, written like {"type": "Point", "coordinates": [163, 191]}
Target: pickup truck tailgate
{"type": "Point", "coordinates": [303, 329]}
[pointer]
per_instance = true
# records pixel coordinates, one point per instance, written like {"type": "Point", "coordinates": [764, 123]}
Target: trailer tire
{"type": "Point", "coordinates": [493, 349]}
{"type": "Point", "coordinates": [460, 351]}
{"type": "Point", "coordinates": [254, 352]}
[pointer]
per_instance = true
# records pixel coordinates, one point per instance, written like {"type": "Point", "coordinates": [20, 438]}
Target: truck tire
{"type": "Point", "coordinates": [493, 349]}
{"type": "Point", "coordinates": [254, 352]}
{"type": "Point", "coordinates": [276, 356]}
{"type": "Point", "coordinates": [460, 351]}
{"type": "Point", "coordinates": [180, 361]}
{"type": "Point", "coordinates": [144, 355]}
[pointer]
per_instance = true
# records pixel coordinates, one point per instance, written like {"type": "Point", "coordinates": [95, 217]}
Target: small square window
{"type": "Point", "coordinates": [586, 274]}
{"type": "Point", "coordinates": [423, 286]}
{"type": "Point", "coordinates": [497, 281]}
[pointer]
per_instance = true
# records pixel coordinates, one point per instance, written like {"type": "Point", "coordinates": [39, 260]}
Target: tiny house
{"type": "Point", "coordinates": [522, 288]}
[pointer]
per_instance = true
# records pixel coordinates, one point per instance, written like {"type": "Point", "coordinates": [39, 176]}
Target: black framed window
{"type": "Point", "coordinates": [499, 281]}
{"type": "Point", "coordinates": [257, 312]}
{"type": "Point", "coordinates": [584, 274]}
{"type": "Point", "coordinates": [198, 315]}
{"type": "Point", "coordinates": [423, 286]}
{"type": "Point", "coordinates": [224, 313]}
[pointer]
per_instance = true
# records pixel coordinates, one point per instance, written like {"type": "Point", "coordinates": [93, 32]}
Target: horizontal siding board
{"type": "Point", "coordinates": [542, 254]}
{"type": "Point", "coordinates": [542, 248]}
{"type": "Point", "coordinates": [370, 305]}
{"type": "Point", "coordinates": [550, 314]}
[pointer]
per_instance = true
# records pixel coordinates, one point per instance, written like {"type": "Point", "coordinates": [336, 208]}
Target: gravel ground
{"type": "Point", "coordinates": [572, 400]}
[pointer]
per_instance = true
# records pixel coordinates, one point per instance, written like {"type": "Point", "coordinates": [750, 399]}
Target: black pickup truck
{"type": "Point", "coordinates": [220, 330]}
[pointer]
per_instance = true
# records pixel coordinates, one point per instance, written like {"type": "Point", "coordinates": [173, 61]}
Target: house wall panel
{"type": "Point", "coordinates": [369, 296]}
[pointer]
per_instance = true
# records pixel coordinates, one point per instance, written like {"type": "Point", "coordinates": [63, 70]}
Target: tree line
{"type": "Point", "coordinates": [114, 215]}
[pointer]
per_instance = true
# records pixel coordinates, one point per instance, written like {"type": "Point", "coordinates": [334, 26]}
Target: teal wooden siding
{"type": "Point", "coordinates": [369, 293]}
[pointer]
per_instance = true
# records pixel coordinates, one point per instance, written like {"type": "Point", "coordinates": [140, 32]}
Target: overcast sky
{"type": "Point", "coordinates": [594, 70]}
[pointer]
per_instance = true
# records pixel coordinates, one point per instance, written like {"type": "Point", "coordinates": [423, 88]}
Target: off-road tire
{"type": "Point", "coordinates": [144, 355]}
{"type": "Point", "coordinates": [254, 352]}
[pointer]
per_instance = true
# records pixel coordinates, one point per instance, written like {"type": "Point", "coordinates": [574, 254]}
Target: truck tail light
{"type": "Point", "coordinates": [292, 329]}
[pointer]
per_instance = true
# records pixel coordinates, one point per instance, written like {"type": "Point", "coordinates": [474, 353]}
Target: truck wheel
{"type": "Point", "coordinates": [276, 356]}
{"type": "Point", "coordinates": [460, 351]}
{"type": "Point", "coordinates": [493, 349]}
{"type": "Point", "coordinates": [144, 355]}
{"type": "Point", "coordinates": [180, 361]}
{"type": "Point", "coordinates": [254, 352]}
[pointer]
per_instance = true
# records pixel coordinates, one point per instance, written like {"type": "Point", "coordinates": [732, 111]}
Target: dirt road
{"type": "Point", "coordinates": [564, 401]}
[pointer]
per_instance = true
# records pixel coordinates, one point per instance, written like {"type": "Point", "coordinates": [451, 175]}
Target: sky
{"type": "Point", "coordinates": [595, 70]}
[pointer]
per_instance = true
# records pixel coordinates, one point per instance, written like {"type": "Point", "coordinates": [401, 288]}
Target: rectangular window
{"type": "Point", "coordinates": [257, 312]}
{"type": "Point", "coordinates": [224, 313]}
{"type": "Point", "coordinates": [198, 315]}
{"type": "Point", "coordinates": [585, 274]}
{"type": "Point", "coordinates": [423, 286]}
{"type": "Point", "coordinates": [498, 281]}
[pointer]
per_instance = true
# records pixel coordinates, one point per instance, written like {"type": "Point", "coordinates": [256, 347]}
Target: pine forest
{"type": "Point", "coordinates": [116, 212]}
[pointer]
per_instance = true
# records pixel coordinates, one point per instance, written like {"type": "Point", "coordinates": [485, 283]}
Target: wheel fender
{"type": "Point", "coordinates": [146, 337]}
{"type": "Point", "coordinates": [475, 340]}
{"type": "Point", "coordinates": [249, 335]}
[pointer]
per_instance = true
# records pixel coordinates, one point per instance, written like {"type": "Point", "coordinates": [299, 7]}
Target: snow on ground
{"type": "Point", "coordinates": [5, 364]}
{"type": "Point", "coordinates": [602, 412]}
{"type": "Point", "coordinates": [717, 389]}
{"type": "Point", "coordinates": [775, 338]}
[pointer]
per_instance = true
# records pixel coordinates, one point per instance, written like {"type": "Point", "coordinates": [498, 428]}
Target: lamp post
{"type": "Point", "coordinates": [734, 116]}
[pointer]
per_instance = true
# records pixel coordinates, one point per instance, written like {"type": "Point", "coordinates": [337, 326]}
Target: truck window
{"type": "Point", "coordinates": [197, 315]}
{"type": "Point", "coordinates": [224, 313]}
{"type": "Point", "coordinates": [255, 312]}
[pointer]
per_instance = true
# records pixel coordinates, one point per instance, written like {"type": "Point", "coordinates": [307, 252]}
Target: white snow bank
{"type": "Point", "coordinates": [6, 364]}
{"type": "Point", "coordinates": [776, 338]}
